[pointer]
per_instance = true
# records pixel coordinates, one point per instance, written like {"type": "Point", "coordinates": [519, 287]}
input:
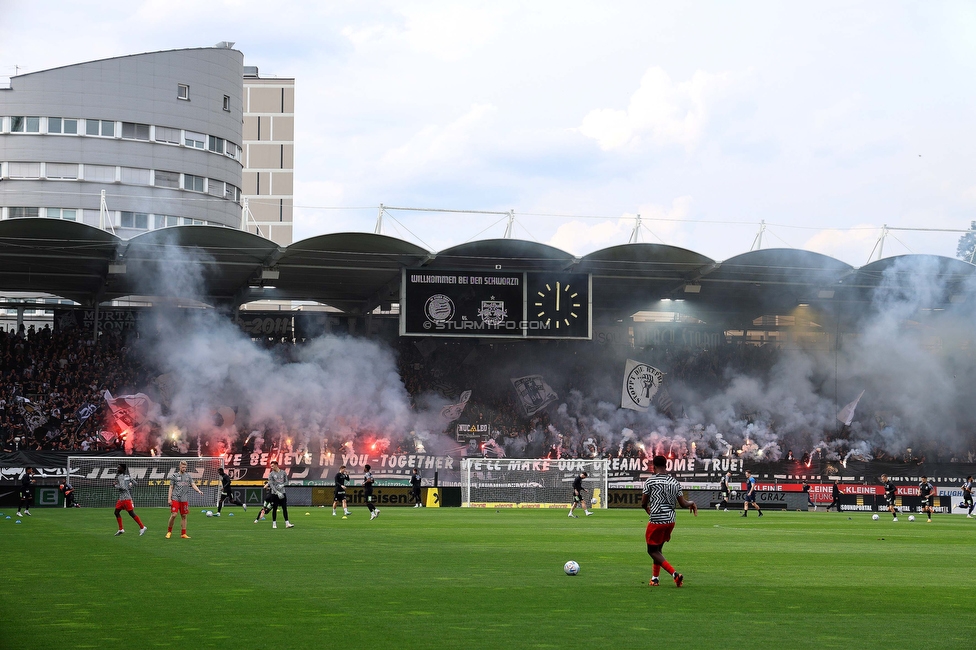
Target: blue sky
{"type": "Point", "coordinates": [826, 120]}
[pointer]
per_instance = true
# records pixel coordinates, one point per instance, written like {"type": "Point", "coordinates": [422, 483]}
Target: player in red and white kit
{"type": "Point", "coordinates": [124, 483]}
{"type": "Point", "coordinates": [661, 493]}
{"type": "Point", "coordinates": [180, 483]}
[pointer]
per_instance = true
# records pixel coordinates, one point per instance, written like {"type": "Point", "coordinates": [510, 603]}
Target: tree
{"type": "Point", "coordinates": [967, 244]}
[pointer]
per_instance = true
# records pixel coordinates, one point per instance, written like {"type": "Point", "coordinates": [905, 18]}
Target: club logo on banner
{"type": "Point", "coordinates": [534, 393]}
{"type": "Point", "coordinates": [452, 412]}
{"type": "Point", "coordinates": [641, 383]}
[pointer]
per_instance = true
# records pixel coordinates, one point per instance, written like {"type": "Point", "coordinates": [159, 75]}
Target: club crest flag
{"type": "Point", "coordinates": [846, 415]}
{"type": "Point", "coordinates": [129, 411]}
{"type": "Point", "coordinates": [641, 383]}
{"type": "Point", "coordinates": [452, 412]}
{"type": "Point", "coordinates": [534, 393]}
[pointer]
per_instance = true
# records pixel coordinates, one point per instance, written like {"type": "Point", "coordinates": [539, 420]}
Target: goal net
{"type": "Point", "coordinates": [527, 483]}
{"type": "Point", "coordinates": [92, 478]}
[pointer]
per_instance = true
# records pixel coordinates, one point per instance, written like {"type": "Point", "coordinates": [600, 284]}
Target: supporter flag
{"type": "Point", "coordinates": [31, 413]}
{"type": "Point", "coordinates": [452, 412]}
{"type": "Point", "coordinates": [846, 415]}
{"type": "Point", "coordinates": [129, 411]}
{"type": "Point", "coordinates": [86, 411]}
{"type": "Point", "coordinates": [534, 393]}
{"type": "Point", "coordinates": [641, 384]}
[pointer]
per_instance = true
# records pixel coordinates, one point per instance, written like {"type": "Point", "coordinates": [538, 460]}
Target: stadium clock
{"type": "Point", "coordinates": [558, 305]}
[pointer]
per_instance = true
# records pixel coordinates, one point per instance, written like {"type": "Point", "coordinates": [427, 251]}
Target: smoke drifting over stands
{"type": "Point", "coordinates": [218, 390]}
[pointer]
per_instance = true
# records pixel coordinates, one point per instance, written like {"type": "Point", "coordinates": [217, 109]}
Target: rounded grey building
{"type": "Point", "coordinates": [157, 134]}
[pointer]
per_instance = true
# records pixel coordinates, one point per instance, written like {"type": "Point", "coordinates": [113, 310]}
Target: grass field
{"type": "Point", "coordinates": [458, 578]}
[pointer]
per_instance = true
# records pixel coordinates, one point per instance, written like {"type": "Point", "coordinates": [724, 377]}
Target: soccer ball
{"type": "Point", "coordinates": [571, 568]}
{"type": "Point", "coordinates": [210, 513]}
{"type": "Point", "coordinates": [911, 517]}
{"type": "Point", "coordinates": [875, 517]}
{"type": "Point", "coordinates": [594, 500]}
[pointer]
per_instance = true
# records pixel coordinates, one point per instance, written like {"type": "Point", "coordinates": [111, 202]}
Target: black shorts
{"type": "Point", "coordinates": [750, 498]}
{"type": "Point", "coordinates": [267, 505]}
{"type": "Point", "coordinates": [929, 502]}
{"type": "Point", "coordinates": [725, 494]}
{"type": "Point", "coordinates": [340, 495]}
{"type": "Point", "coordinates": [967, 499]}
{"type": "Point", "coordinates": [279, 501]}
{"type": "Point", "coordinates": [577, 497]}
{"type": "Point", "coordinates": [369, 497]}
{"type": "Point", "coordinates": [25, 494]}
{"type": "Point", "coordinates": [890, 500]}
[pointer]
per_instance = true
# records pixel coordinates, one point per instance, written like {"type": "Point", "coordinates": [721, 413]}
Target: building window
{"type": "Point", "coordinates": [100, 173]}
{"type": "Point", "coordinates": [215, 144]}
{"type": "Point", "coordinates": [232, 150]}
{"type": "Point", "coordinates": [61, 213]}
{"type": "Point", "coordinates": [103, 128]}
{"type": "Point", "coordinates": [134, 176]}
{"type": "Point", "coordinates": [58, 125]}
{"type": "Point", "coordinates": [227, 102]}
{"type": "Point", "coordinates": [23, 170]}
{"type": "Point", "coordinates": [195, 140]}
{"type": "Point", "coordinates": [167, 179]}
{"type": "Point", "coordinates": [183, 92]}
{"type": "Point", "coordinates": [138, 220]}
{"type": "Point", "coordinates": [193, 183]}
{"type": "Point", "coordinates": [165, 221]}
{"type": "Point", "coordinates": [61, 171]}
{"type": "Point", "coordinates": [168, 135]}
{"type": "Point", "coordinates": [215, 188]}
{"type": "Point", "coordinates": [23, 213]}
{"type": "Point", "coordinates": [25, 125]}
{"type": "Point", "coordinates": [132, 131]}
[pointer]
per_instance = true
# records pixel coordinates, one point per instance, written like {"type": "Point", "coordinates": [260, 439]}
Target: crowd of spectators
{"type": "Point", "coordinates": [50, 381]}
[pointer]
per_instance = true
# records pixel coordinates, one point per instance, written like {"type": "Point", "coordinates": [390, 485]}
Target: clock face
{"type": "Point", "coordinates": [559, 305]}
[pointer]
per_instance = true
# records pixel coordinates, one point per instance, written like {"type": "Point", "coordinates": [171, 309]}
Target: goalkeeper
{"type": "Point", "coordinates": [579, 492]}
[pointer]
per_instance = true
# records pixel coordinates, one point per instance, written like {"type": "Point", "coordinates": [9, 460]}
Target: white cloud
{"type": "Point", "coordinates": [580, 238]}
{"type": "Point", "coordinates": [661, 111]}
{"type": "Point", "coordinates": [852, 246]}
{"type": "Point", "coordinates": [441, 146]}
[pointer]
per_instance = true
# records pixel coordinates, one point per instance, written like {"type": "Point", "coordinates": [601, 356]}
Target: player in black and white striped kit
{"type": "Point", "coordinates": [662, 493]}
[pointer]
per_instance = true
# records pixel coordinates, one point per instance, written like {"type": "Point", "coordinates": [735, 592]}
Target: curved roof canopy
{"type": "Point", "coordinates": [355, 272]}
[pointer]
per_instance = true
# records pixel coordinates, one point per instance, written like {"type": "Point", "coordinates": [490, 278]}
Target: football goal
{"type": "Point", "coordinates": [93, 476]}
{"type": "Point", "coordinates": [531, 483]}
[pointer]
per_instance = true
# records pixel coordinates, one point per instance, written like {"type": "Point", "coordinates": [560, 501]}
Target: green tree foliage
{"type": "Point", "coordinates": [967, 244]}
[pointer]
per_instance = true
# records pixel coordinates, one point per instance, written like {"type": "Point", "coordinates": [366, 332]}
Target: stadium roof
{"type": "Point", "coordinates": [356, 272]}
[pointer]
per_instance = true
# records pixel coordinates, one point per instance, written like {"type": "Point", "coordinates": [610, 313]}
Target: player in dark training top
{"type": "Point", "coordinates": [662, 493]}
{"type": "Point", "coordinates": [723, 488]}
{"type": "Point", "coordinates": [890, 491]}
{"type": "Point", "coordinates": [225, 492]}
{"type": "Point", "coordinates": [124, 484]}
{"type": "Point", "coordinates": [415, 487]}
{"type": "Point", "coordinates": [374, 512]}
{"type": "Point", "coordinates": [967, 496]}
{"type": "Point", "coordinates": [926, 490]}
{"type": "Point", "coordinates": [579, 493]}
{"type": "Point", "coordinates": [339, 493]}
{"type": "Point", "coordinates": [26, 492]}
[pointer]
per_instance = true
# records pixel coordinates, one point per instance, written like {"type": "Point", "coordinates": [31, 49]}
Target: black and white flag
{"type": "Point", "coordinates": [534, 393]}
{"type": "Point", "coordinates": [641, 383]}
{"type": "Point", "coordinates": [452, 412]}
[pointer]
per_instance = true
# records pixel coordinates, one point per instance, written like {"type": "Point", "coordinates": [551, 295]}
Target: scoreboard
{"type": "Point", "coordinates": [495, 304]}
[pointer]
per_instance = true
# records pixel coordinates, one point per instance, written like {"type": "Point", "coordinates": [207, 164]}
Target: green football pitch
{"type": "Point", "coordinates": [459, 578]}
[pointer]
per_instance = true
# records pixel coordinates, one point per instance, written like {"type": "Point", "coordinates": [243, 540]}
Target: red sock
{"type": "Point", "coordinates": [170, 529]}
{"type": "Point", "coordinates": [657, 570]}
{"type": "Point", "coordinates": [667, 567]}
{"type": "Point", "coordinates": [119, 519]}
{"type": "Point", "coordinates": [183, 532]}
{"type": "Point", "coordinates": [138, 521]}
